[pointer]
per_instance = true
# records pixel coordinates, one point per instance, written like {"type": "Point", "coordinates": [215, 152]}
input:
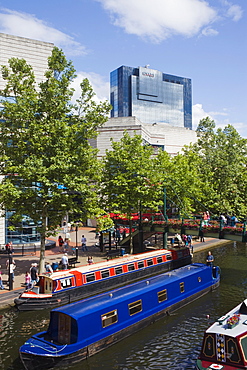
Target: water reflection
{"type": "Point", "coordinates": [171, 343]}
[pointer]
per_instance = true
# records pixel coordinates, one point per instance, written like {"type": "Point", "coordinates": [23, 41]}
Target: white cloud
{"type": "Point", "coordinates": [221, 119]}
{"type": "Point", "coordinates": [100, 86]}
{"type": "Point", "coordinates": [27, 25]}
{"type": "Point", "coordinates": [159, 19]}
{"type": "Point", "coordinates": [235, 12]}
{"type": "Point", "coordinates": [208, 31]}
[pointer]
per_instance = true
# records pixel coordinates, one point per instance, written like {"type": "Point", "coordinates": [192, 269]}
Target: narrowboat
{"type": "Point", "coordinates": [81, 329]}
{"type": "Point", "coordinates": [225, 342]}
{"type": "Point", "coordinates": [66, 286]}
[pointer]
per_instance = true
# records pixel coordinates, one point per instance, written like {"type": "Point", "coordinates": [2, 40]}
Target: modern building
{"type": "Point", "coordinates": [36, 54]}
{"type": "Point", "coordinates": [151, 96]}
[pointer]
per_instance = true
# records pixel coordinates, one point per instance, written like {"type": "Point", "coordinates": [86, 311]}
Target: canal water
{"type": "Point", "coordinates": [171, 343]}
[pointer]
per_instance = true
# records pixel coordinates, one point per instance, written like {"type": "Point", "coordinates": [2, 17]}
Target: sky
{"type": "Point", "coordinates": [202, 40]}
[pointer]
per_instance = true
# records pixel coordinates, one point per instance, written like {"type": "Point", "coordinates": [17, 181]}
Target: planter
{"type": "Point", "coordinates": [159, 228]}
{"type": "Point", "coordinates": [146, 227]}
{"type": "Point", "coordinates": [174, 231]}
{"type": "Point", "coordinates": [211, 235]}
{"type": "Point", "coordinates": [236, 238]}
{"type": "Point", "coordinates": [192, 232]}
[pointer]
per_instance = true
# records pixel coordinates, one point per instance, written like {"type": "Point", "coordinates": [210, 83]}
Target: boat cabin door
{"type": "Point", "coordinates": [48, 285]}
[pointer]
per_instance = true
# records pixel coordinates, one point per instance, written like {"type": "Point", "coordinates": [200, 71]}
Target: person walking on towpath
{"type": "Point", "coordinates": [83, 243]}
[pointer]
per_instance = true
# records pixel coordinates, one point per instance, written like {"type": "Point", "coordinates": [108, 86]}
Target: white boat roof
{"type": "Point", "coordinates": [222, 328]}
{"type": "Point", "coordinates": [107, 264]}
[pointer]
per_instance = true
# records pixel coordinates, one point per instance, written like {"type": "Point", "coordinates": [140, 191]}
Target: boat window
{"type": "Point", "coordinates": [243, 343]}
{"type": "Point", "coordinates": [135, 307]}
{"type": "Point", "coordinates": [159, 260]}
{"type": "Point", "coordinates": [232, 350]}
{"type": "Point", "coordinates": [140, 264]}
{"type": "Point", "coordinates": [131, 267]}
{"type": "Point", "coordinates": [66, 282]}
{"type": "Point", "coordinates": [181, 287]}
{"type": "Point", "coordinates": [118, 270]}
{"type": "Point", "coordinates": [90, 277]}
{"type": "Point", "coordinates": [109, 318]}
{"type": "Point", "coordinates": [169, 257]}
{"type": "Point", "coordinates": [162, 295]}
{"type": "Point", "coordinates": [105, 274]}
{"type": "Point", "coordinates": [150, 262]}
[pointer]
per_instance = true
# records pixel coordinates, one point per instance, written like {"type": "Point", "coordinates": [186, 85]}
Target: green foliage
{"type": "Point", "coordinates": [51, 168]}
{"type": "Point", "coordinates": [222, 168]}
{"type": "Point", "coordinates": [130, 179]}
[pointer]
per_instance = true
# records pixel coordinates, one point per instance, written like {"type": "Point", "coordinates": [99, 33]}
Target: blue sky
{"type": "Point", "coordinates": [201, 40]}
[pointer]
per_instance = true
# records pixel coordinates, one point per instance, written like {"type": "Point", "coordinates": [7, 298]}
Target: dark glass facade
{"type": "Point", "coordinates": [151, 96]}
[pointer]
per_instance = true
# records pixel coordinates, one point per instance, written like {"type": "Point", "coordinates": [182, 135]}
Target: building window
{"type": "Point", "coordinates": [135, 307]}
{"type": "Point", "coordinates": [109, 318]}
{"type": "Point", "coordinates": [162, 296]}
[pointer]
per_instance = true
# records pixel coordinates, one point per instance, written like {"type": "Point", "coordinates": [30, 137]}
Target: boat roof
{"type": "Point", "coordinates": [111, 263]}
{"type": "Point", "coordinates": [82, 307]}
{"type": "Point", "coordinates": [239, 329]}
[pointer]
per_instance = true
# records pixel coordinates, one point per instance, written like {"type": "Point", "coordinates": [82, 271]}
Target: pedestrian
{"type": "Point", "coordinates": [28, 284]}
{"type": "Point", "coordinates": [210, 259]}
{"type": "Point", "coordinates": [48, 268]}
{"type": "Point", "coordinates": [12, 267]}
{"type": "Point", "coordinates": [189, 240]}
{"type": "Point", "coordinates": [84, 243]}
{"type": "Point", "coordinates": [201, 236]}
{"type": "Point", "coordinates": [34, 274]}
{"type": "Point", "coordinates": [66, 245]}
{"type": "Point", "coordinates": [64, 261]}
{"type": "Point", "coordinates": [60, 243]}
{"type": "Point", "coordinates": [233, 221]}
{"type": "Point", "coordinates": [118, 235]}
{"type": "Point", "coordinates": [1, 280]}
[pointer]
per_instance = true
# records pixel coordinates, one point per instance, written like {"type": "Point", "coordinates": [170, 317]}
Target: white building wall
{"type": "Point", "coordinates": [33, 51]}
{"type": "Point", "coordinates": [171, 138]}
{"type": "Point", "coordinates": [36, 54]}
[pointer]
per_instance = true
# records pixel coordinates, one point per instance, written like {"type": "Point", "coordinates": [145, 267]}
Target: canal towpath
{"type": "Point", "coordinates": [53, 255]}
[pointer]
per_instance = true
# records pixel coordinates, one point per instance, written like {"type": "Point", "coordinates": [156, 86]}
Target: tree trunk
{"type": "Point", "coordinates": [42, 246]}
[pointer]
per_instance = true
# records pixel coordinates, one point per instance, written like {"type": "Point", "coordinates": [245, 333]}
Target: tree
{"type": "Point", "coordinates": [222, 167]}
{"type": "Point", "coordinates": [49, 168]}
{"type": "Point", "coordinates": [130, 180]}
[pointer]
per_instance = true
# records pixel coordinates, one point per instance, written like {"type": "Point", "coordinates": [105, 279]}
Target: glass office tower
{"type": "Point", "coordinates": [151, 96]}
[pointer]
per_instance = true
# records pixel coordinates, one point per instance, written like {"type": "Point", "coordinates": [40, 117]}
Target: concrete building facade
{"type": "Point", "coordinates": [158, 135]}
{"type": "Point", "coordinates": [36, 54]}
{"type": "Point", "coordinates": [33, 51]}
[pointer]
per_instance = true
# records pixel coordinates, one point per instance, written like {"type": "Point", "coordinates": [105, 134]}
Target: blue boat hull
{"type": "Point", "coordinates": [49, 358]}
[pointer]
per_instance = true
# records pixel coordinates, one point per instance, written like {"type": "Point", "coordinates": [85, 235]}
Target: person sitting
{"type": "Point", "coordinates": [48, 268]}
{"type": "Point", "coordinates": [90, 260]}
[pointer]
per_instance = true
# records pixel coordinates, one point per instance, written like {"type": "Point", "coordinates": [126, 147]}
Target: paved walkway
{"type": "Point", "coordinates": [23, 262]}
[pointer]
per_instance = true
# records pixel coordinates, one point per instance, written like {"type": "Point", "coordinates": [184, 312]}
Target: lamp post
{"type": "Point", "coordinates": [165, 216]}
